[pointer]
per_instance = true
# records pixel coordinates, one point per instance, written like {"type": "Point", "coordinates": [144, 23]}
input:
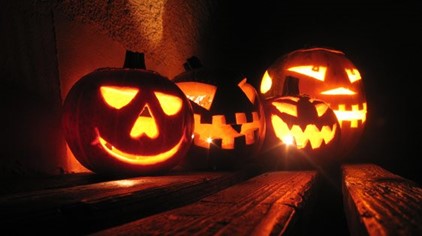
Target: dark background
{"type": "Point", "coordinates": [383, 41]}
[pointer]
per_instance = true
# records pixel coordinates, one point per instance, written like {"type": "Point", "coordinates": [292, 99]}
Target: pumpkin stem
{"type": "Point", "coordinates": [134, 60]}
{"type": "Point", "coordinates": [192, 63]}
{"type": "Point", "coordinates": [291, 86]}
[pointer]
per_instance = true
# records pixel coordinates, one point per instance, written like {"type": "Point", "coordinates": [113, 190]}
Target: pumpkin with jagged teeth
{"type": "Point", "coordinates": [326, 74]}
{"type": "Point", "coordinates": [229, 119]}
{"type": "Point", "coordinates": [304, 122]}
{"type": "Point", "coordinates": [306, 129]}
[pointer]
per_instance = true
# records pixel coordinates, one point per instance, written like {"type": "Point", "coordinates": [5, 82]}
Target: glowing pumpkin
{"type": "Point", "coordinates": [327, 75]}
{"type": "Point", "coordinates": [229, 117]}
{"type": "Point", "coordinates": [121, 121]}
{"type": "Point", "coordinates": [304, 127]}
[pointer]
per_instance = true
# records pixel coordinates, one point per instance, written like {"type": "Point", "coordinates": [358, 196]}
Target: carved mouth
{"type": "Point", "coordinates": [136, 159]}
{"type": "Point", "coordinates": [353, 115]}
{"type": "Point", "coordinates": [226, 136]}
{"type": "Point", "coordinates": [301, 138]}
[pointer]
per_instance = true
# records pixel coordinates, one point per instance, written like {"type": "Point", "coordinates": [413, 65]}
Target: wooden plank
{"type": "Point", "coordinates": [268, 204]}
{"type": "Point", "coordinates": [30, 184]}
{"type": "Point", "coordinates": [89, 208]}
{"type": "Point", "coordinates": [378, 202]}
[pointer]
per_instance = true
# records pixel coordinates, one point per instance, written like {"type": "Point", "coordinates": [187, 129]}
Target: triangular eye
{"type": "Point", "coordinates": [316, 72]}
{"type": "Point", "coordinates": [321, 108]}
{"type": "Point", "coordinates": [248, 89]}
{"type": "Point", "coordinates": [353, 75]}
{"type": "Point", "coordinates": [200, 93]}
{"type": "Point", "coordinates": [118, 97]}
{"type": "Point", "coordinates": [170, 104]}
{"type": "Point", "coordinates": [286, 108]}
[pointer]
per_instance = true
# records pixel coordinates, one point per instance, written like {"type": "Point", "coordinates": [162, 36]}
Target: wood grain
{"type": "Point", "coordinates": [92, 207]}
{"type": "Point", "coordinates": [268, 204]}
{"type": "Point", "coordinates": [378, 202]}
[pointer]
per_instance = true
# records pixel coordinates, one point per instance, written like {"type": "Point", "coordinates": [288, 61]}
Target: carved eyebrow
{"type": "Point", "coordinates": [316, 72]}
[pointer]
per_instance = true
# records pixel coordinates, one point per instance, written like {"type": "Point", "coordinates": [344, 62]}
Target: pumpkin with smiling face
{"type": "Point", "coordinates": [121, 121]}
{"type": "Point", "coordinates": [306, 128]}
{"type": "Point", "coordinates": [229, 117]}
{"type": "Point", "coordinates": [328, 75]}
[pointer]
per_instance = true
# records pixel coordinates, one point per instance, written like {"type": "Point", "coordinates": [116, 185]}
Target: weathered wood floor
{"type": "Point", "coordinates": [379, 202]}
{"type": "Point", "coordinates": [245, 202]}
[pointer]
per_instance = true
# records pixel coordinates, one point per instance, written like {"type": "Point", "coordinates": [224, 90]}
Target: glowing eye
{"type": "Point", "coordinates": [286, 108]}
{"type": "Point", "coordinates": [248, 89]}
{"type": "Point", "coordinates": [266, 83]}
{"type": "Point", "coordinates": [118, 97]}
{"type": "Point", "coordinates": [353, 75]}
{"type": "Point", "coordinates": [170, 104]}
{"type": "Point", "coordinates": [321, 108]}
{"type": "Point", "coordinates": [200, 93]}
{"type": "Point", "coordinates": [316, 72]}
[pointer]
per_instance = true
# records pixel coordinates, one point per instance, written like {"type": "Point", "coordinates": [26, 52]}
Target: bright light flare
{"type": "Point", "coordinates": [209, 140]}
{"type": "Point", "coordinates": [288, 140]}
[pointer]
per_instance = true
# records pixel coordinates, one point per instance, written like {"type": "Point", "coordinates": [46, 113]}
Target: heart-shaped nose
{"type": "Point", "coordinates": [144, 124]}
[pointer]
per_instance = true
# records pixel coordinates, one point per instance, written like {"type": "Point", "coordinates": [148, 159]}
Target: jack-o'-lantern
{"type": "Point", "coordinates": [307, 126]}
{"type": "Point", "coordinates": [121, 121]}
{"type": "Point", "coordinates": [328, 75]}
{"type": "Point", "coordinates": [229, 117]}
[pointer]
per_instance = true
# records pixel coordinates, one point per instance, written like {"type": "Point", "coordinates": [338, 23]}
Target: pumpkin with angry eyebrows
{"type": "Point", "coordinates": [328, 75]}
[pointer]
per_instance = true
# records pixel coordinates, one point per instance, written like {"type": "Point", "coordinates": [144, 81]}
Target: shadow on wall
{"type": "Point", "coordinates": [167, 32]}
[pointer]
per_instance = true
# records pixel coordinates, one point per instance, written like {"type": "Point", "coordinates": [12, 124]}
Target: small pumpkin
{"type": "Point", "coordinates": [328, 75]}
{"type": "Point", "coordinates": [304, 127]}
{"type": "Point", "coordinates": [228, 113]}
{"type": "Point", "coordinates": [127, 121]}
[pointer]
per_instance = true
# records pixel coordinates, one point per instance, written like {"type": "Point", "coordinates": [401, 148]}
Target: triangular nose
{"type": "Point", "coordinates": [145, 112]}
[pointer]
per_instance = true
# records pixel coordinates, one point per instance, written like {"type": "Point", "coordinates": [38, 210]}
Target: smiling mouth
{"type": "Point", "coordinates": [311, 134]}
{"type": "Point", "coordinates": [136, 159]}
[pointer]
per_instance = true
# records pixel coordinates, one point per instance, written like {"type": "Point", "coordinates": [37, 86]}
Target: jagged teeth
{"type": "Point", "coordinates": [311, 135]}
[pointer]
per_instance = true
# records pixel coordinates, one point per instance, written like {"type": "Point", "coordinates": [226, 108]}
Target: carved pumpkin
{"type": "Point", "coordinates": [327, 75]}
{"type": "Point", "coordinates": [229, 117]}
{"type": "Point", "coordinates": [305, 127]}
{"type": "Point", "coordinates": [122, 121]}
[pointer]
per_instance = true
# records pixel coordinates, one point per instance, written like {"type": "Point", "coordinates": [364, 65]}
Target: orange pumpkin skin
{"type": "Point", "coordinates": [302, 130]}
{"type": "Point", "coordinates": [115, 137]}
{"type": "Point", "coordinates": [231, 115]}
{"type": "Point", "coordinates": [328, 75]}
